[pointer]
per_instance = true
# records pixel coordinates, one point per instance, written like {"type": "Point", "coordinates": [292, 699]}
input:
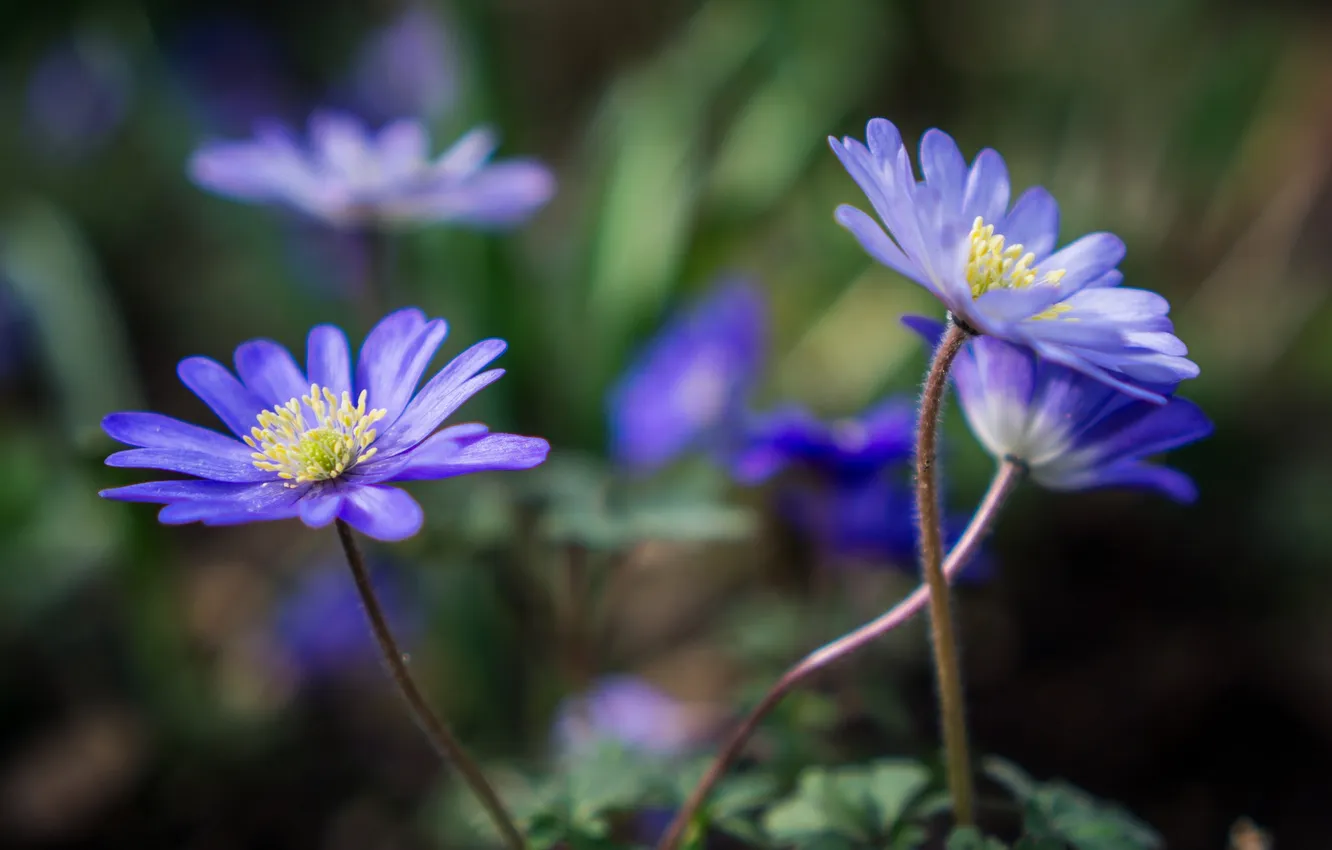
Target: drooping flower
{"type": "Point", "coordinates": [688, 387]}
{"type": "Point", "coordinates": [1071, 432]}
{"type": "Point", "coordinates": [847, 484]}
{"type": "Point", "coordinates": [351, 177]}
{"type": "Point", "coordinates": [406, 69]}
{"type": "Point", "coordinates": [322, 444]}
{"type": "Point", "coordinates": [628, 711]}
{"type": "Point", "coordinates": [995, 268]}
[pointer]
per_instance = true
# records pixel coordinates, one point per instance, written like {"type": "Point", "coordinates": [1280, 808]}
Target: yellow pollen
{"type": "Point", "coordinates": [1054, 313]}
{"type": "Point", "coordinates": [991, 265]}
{"type": "Point", "coordinates": [334, 437]}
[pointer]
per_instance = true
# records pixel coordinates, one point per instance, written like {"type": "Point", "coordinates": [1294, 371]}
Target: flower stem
{"type": "Point", "coordinates": [1005, 479]}
{"type": "Point", "coordinates": [947, 669]}
{"type": "Point", "coordinates": [440, 737]}
{"type": "Point", "coordinates": [379, 266]}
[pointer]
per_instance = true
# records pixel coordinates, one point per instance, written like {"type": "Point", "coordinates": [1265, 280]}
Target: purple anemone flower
{"type": "Point", "coordinates": [1071, 432]}
{"type": "Point", "coordinates": [627, 711]}
{"type": "Point", "coordinates": [995, 268]}
{"type": "Point", "coordinates": [689, 385]}
{"type": "Point", "coordinates": [407, 68]}
{"type": "Point", "coordinates": [321, 444]}
{"type": "Point", "coordinates": [351, 177]}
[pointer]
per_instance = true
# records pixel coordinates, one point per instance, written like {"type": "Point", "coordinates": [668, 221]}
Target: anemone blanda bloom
{"type": "Point", "coordinates": [630, 712]}
{"type": "Point", "coordinates": [322, 444]}
{"type": "Point", "coordinates": [349, 176]}
{"type": "Point", "coordinates": [995, 268]}
{"type": "Point", "coordinates": [689, 385]}
{"type": "Point", "coordinates": [850, 491]}
{"type": "Point", "coordinates": [1071, 432]}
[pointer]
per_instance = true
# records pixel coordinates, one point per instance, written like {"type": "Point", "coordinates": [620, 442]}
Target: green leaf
{"type": "Point", "coordinates": [1061, 812]}
{"type": "Point", "coordinates": [862, 804]}
{"type": "Point", "coordinates": [971, 838]}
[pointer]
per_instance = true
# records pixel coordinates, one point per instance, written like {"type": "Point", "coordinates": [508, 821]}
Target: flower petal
{"type": "Point", "coordinates": [1169, 482]}
{"type": "Point", "coordinates": [466, 155]}
{"type": "Point", "coordinates": [202, 464]}
{"type": "Point", "coordinates": [444, 456]}
{"type": "Point", "coordinates": [1085, 260]}
{"type": "Point", "coordinates": [379, 370]}
{"type": "Point", "coordinates": [319, 509]}
{"type": "Point", "coordinates": [1141, 430]}
{"type": "Point", "coordinates": [877, 244]}
{"type": "Point", "coordinates": [402, 147]}
{"type": "Point", "coordinates": [444, 394]}
{"type": "Point", "coordinates": [235, 405]}
{"type": "Point", "coordinates": [163, 492]}
{"type": "Point", "coordinates": [328, 359]}
{"type": "Point", "coordinates": [1033, 223]}
{"type": "Point", "coordinates": [269, 372]}
{"type": "Point", "coordinates": [252, 503]}
{"type": "Point", "coordinates": [499, 195]}
{"type": "Point", "coordinates": [943, 166]}
{"type": "Point", "coordinates": [987, 190]}
{"type": "Point", "coordinates": [384, 513]}
{"type": "Point", "coordinates": [155, 431]}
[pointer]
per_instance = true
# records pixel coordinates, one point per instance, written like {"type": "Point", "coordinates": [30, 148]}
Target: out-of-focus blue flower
{"type": "Point", "coordinates": [321, 444]}
{"type": "Point", "coordinates": [322, 627]}
{"type": "Point", "coordinates": [628, 711]}
{"type": "Point", "coordinates": [78, 95]}
{"type": "Point", "coordinates": [351, 177]}
{"type": "Point", "coordinates": [232, 72]}
{"type": "Point", "coordinates": [849, 490]}
{"type": "Point", "coordinates": [1072, 432]}
{"type": "Point", "coordinates": [996, 269]}
{"type": "Point", "coordinates": [406, 69]}
{"type": "Point", "coordinates": [688, 387]}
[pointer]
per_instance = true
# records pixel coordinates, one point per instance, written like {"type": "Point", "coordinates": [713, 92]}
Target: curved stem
{"type": "Point", "coordinates": [1005, 479]}
{"type": "Point", "coordinates": [440, 737]}
{"type": "Point", "coordinates": [947, 668]}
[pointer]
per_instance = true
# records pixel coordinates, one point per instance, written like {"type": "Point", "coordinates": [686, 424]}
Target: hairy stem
{"type": "Point", "coordinates": [435, 729]}
{"type": "Point", "coordinates": [1005, 479]}
{"type": "Point", "coordinates": [947, 667]}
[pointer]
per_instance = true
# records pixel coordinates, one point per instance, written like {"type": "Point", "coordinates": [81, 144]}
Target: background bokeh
{"type": "Point", "coordinates": [210, 688]}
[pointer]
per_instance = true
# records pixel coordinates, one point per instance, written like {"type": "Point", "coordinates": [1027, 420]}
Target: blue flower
{"type": "Point", "coordinates": [321, 444]}
{"type": "Point", "coordinates": [350, 177]}
{"type": "Point", "coordinates": [1071, 432]}
{"type": "Point", "coordinates": [689, 385]}
{"type": "Point", "coordinates": [995, 267]}
{"type": "Point", "coordinates": [407, 69]}
{"type": "Point", "coordinates": [850, 494]}
{"type": "Point", "coordinates": [628, 711]}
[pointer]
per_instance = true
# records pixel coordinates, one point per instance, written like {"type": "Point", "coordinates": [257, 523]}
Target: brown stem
{"type": "Point", "coordinates": [947, 667]}
{"type": "Point", "coordinates": [1005, 479]}
{"type": "Point", "coordinates": [435, 729]}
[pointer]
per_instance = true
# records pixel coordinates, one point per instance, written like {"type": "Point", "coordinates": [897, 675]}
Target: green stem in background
{"type": "Point", "coordinates": [378, 286]}
{"type": "Point", "coordinates": [947, 667]}
{"type": "Point", "coordinates": [1006, 477]}
{"type": "Point", "coordinates": [440, 737]}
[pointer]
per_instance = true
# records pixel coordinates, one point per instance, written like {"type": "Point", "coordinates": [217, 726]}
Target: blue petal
{"type": "Point", "coordinates": [235, 405]}
{"type": "Point", "coordinates": [1142, 430]}
{"type": "Point", "coordinates": [500, 195]}
{"type": "Point", "coordinates": [877, 244]}
{"type": "Point", "coordinates": [318, 509]}
{"type": "Point", "coordinates": [929, 330]}
{"type": "Point", "coordinates": [468, 154]}
{"type": "Point", "coordinates": [445, 393]}
{"type": "Point", "coordinates": [339, 142]}
{"type": "Point", "coordinates": [1085, 260]}
{"type": "Point", "coordinates": [155, 431]}
{"type": "Point", "coordinates": [328, 359]}
{"type": "Point", "coordinates": [387, 345]}
{"type": "Point", "coordinates": [943, 166]}
{"type": "Point", "coordinates": [202, 464]}
{"type": "Point", "coordinates": [445, 455]}
{"type": "Point", "coordinates": [1169, 482]}
{"type": "Point", "coordinates": [384, 513]}
{"type": "Point", "coordinates": [1033, 223]}
{"type": "Point", "coordinates": [253, 503]}
{"type": "Point", "coordinates": [269, 372]}
{"type": "Point", "coordinates": [987, 190]}
{"type": "Point", "coordinates": [1067, 357]}
{"type": "Point", "coordinates": [401, 149]}
{"type": "Point", "coordinates": [885, 141]}
{"type": "Point", "coordinates": [163, 492]}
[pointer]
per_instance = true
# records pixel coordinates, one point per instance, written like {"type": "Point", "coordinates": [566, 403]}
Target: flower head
{"type": "Point", "coordinates": [627, 711]}
{"type": "Point", "coordinates": [351, 177]}
{"type": "Point", "coordinates": [690, 383]}
{"type": "Point", "coordinates": [995, 267]}
{"type": "Point", "coordinates": [322, 444]}
{"type": "Point", "coordinates": [407, 68]}
{"type": "Point", "coordinates": [1072, 432]}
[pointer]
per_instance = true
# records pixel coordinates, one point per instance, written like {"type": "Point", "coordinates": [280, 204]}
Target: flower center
{"type": "Point", "coordinates": [992, 266]}
{"type": "Point", "coordinates": [336, 437]}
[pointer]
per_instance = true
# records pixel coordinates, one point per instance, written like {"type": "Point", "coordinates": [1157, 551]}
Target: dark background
{"type": "Point", "coordinates": [1178, 659]}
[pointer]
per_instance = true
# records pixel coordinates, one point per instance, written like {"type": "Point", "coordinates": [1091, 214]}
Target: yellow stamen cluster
{"type": "Point", "coordinates": [992, 266]}
{"type": "Point", "coordinates": [301, 450]}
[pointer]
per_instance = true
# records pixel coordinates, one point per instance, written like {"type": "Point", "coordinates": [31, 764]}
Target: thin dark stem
{"type": "Point", "coordinates": [947, 667]}
{"type": "Point", "coordinates": [1005, 479]}
{"type": "Point", "coordinates": [440, 737]}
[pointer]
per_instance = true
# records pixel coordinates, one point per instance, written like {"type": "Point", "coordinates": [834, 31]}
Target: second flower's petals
{"type": "Point", "coordinates": [320, 509]}
{"type": "Point", "coordinates": [384, 513]}
{"type": "Point", "coordinates": [504, 194]}
{"type": "Point", "coordinates": [268, 370]}
{"type": "Point", "coordinates": [1142, 430]}
{"type": "Point", "coordinates": [202, 464]}
{"type": "Point", "coordinates": [1170, 483]}
{"type": "Point", "coordinates": [443, 456]}
{"type": "Point", "coordinates": [155, 431]}
{"type": "Point", "coordinates": [328, 359]}
{"type": "Point", "coordinates": [235, 405]}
